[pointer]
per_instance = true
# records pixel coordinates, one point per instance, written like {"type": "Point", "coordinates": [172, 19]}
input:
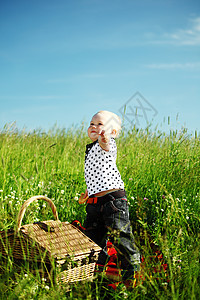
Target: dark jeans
{"type": "Point", "coordinates": [111, 220]}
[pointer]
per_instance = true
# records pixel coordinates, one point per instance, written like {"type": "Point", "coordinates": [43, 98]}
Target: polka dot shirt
{"type": "Point", "coordinates": [101, 172]}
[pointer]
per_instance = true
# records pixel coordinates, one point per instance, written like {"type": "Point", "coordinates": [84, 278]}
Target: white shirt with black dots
{"type": "Point", "coordinates": [101, 173]}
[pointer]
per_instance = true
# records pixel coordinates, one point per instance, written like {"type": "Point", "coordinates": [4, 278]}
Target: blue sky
{"type": "Point", "coordinates": [61, 61]}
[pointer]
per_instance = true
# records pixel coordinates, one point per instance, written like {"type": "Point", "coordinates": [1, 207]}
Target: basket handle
{"type": "Point", "coordinates": [29, 201]}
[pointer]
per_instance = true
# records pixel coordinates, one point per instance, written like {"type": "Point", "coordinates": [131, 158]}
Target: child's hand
{"type": "Point", "coordinates": [104, 137]}
{"type": "Point", "coordinates": [104, 140]}
{"type": "Point", "coordinates": [83, 198]}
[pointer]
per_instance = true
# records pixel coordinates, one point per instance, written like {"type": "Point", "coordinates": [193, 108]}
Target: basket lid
{"type": "Point", "coordinates": [65, 240]}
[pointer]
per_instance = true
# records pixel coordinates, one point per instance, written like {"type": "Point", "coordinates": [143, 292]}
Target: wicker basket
{"type": "Point", "coordinates": [51, 243]}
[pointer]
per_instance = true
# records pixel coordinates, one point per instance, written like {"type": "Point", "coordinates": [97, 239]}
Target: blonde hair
{"type": "Point", "coordinates": [113, 121]}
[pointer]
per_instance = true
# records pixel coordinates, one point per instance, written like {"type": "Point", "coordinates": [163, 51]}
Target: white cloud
{"type": "Point", "coordinates": [95, 76]}
{"type": "Point", "coordinates": [171, 66]}
{"type": "Point", "coordinates": [43, 98]}
{"type": "Point", "coordinates": [188, 36]}
{"type": "Point", "coordinates": [29, 110]}
{"type": "Point", "coordinates": [75, 77]}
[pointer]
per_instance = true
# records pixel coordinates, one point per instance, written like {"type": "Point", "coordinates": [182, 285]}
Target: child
{"type": "Point", "coordinates": [107, 207]}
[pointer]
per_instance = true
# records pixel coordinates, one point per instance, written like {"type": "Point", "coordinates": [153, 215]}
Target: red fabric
{"type": "Point", "coordinates": [112, 269]}
{"type": "Point", "coordinates": [92, 200]}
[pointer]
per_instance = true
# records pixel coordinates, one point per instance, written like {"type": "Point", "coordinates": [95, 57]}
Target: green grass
{"type": "Point", "coordinates": [161, 174]}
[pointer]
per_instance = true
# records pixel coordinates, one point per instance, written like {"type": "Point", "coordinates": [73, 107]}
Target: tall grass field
{"type": "Point", "coordinates": [161, 173]}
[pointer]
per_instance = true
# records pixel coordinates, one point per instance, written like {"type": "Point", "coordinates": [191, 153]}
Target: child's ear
{"type": "Point", "coordinates": [114, 133]}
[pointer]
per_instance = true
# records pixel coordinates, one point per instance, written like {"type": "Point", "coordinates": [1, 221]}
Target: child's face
{"type": "Point", "coordinates": [96, 126]}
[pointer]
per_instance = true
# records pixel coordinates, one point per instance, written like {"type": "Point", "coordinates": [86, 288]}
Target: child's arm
{"type": "Point", "coordinates": [104, 141]}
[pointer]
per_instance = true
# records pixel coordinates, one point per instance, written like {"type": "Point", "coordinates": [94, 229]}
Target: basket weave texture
{"type": "Point", "coordinates": [50, 242]}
